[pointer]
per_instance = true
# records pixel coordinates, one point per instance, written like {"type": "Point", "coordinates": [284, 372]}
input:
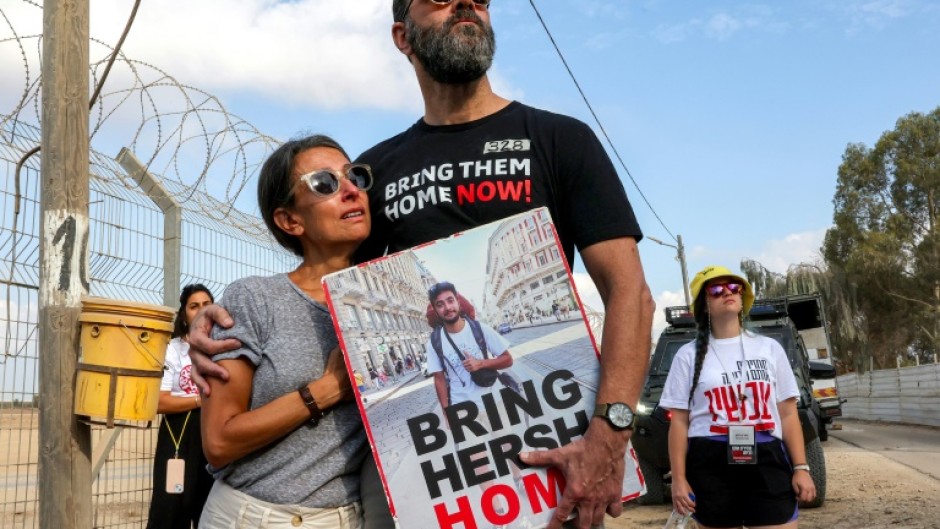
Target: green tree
{"type": "Point", "coordinates": [838, 298]}
{"type": "Point", "coordinates": [885, 239]}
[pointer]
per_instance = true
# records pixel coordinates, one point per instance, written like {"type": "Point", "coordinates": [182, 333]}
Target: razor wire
{"type": "Point", "coordinates": [180, 132]}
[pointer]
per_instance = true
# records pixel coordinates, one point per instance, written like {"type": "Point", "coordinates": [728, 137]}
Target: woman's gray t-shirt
{"type": "Point", "coordinates": [288, 337]}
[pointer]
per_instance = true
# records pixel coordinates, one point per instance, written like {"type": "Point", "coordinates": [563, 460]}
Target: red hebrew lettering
{"type": "Point", "coordinates": [765, 396]}
{"type": "Point", "coordinates": [711, 406]}
{"type": "Point", "coordinates": [757, 400]}
{"type": "Point", "coordinates": [728, 398]}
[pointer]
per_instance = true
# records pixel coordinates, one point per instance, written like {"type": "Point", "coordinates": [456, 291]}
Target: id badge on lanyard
{"type": "Point", "coordinates": [742, 445]}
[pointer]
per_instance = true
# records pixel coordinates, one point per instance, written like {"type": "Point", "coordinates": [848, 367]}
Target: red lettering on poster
{"type": "Point", "coordinates": [548, 492]}
{"type": "Point", "coordinates": [463, 515]}
{"type": "Point", "coordinates": [489, 504]}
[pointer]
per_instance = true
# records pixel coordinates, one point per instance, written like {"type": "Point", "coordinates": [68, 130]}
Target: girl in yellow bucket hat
{"type": "Point", "coordinates": [735, 442]}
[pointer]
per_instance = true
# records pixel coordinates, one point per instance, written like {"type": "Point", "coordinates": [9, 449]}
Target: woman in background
{"type": "Point", "coordinates": [179, 443]}
{"type": "Point", "coordinates": [735, 441]}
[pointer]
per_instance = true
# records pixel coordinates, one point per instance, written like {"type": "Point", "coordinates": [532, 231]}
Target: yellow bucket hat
{"type": "Point", "coordinates": [713, 272]}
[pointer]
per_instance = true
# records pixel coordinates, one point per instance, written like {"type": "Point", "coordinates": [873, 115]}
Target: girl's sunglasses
{"type": "Point", "coordinates": [717, 290]}
{"type": "Point", "coordinates": [325, 182]}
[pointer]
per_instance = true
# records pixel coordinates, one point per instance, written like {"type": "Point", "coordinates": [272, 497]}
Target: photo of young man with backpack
{"type": "Point", "coordinates": [464, 355]}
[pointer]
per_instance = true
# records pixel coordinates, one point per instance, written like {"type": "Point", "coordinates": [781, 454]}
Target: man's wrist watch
{"type": "Point", "coordinates": [618, 414]}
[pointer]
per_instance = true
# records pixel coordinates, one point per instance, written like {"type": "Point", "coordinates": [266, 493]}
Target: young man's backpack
{"type": "Point", "coordinates": [482, 377]}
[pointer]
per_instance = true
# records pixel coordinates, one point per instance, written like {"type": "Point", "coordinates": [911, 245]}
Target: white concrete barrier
{"type": "Point", "coordinates": [907, 395]}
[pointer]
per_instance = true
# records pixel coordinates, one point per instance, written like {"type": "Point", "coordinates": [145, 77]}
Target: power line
{"type": "Point", "coordinates": [598, 121]}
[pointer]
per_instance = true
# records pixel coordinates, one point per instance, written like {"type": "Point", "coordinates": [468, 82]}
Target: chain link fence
{"type": "Point", "coordinates": [193, 161]}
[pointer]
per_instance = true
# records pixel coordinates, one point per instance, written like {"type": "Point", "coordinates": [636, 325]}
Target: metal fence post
{"type": "Point", "coordinates": [172, 222]}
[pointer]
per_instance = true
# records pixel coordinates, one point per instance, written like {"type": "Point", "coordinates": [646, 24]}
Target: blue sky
{"type": "Point", "coordinates": [731, 116]}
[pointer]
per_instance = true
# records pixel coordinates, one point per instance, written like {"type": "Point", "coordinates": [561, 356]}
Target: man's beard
{"type": "Point", "coordinates": [455, 57]}
{"type": "Point", "coordinates": [450, 321]}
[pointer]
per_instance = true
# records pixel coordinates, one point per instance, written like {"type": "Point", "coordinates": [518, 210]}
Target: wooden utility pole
{"type": "Point", "coordinates": [65, 443]}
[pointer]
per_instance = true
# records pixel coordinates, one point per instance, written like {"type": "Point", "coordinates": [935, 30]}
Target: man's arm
{"type": "Point", "coordinates": [202, 346]}
{"type": "Point", "coordinates": [502, 361]}
{"type": "Point", "coordinates": [594, 465]}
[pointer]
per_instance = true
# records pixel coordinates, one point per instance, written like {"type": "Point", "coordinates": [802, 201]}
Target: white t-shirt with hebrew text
{"type": "Point", "coordinates": [177, 370]}
{"type": "Point", "coordinates": [765, 378]}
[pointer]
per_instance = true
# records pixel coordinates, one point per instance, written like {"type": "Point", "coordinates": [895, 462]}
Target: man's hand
{"type": "Point", "coordinates": [202, 346]}
{"type": "Point", "coordinates": [593, 468]}
{"type": "Point", "coordinates": [472, 364]}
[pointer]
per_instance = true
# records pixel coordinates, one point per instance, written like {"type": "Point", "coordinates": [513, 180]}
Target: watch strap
{"type": "Point", "coordinates": [311, 403]}
{"type": "Point", "coordinates": [603, 410]}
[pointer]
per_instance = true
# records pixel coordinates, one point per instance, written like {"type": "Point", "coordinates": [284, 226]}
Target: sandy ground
{"type": "Point", "coordinates": [865, 490]}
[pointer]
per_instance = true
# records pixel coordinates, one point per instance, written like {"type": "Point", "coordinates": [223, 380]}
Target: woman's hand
{"type": "Point", "coordinates": [682, 496]}
{"type": "Point", "coordinates": [335, 385]}
{"type": "Point", "coordinates": [803, 486]}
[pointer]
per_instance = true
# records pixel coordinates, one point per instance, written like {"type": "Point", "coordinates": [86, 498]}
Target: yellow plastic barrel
{"type": "Point", "coordinates": [122, 349]}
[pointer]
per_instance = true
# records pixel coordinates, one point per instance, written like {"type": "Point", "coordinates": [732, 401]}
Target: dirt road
{"type": "Point", "coordinates": [865, 490]}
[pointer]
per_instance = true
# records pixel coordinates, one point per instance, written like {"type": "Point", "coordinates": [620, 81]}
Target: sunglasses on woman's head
{"type": "Point", "coordinates": [326, 183]}
{"type": "Point", "coordinates": [717, 290]}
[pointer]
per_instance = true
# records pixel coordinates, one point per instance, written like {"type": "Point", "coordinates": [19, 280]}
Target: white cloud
{"type": "Point", "coordinates": [313, 53]}
{"type": "Point", "coordinates": [665, 299]}
{"type": "Point", "coordinates": [587, 291]}
{"type": "Point", "coordinates": [875, 14]}
{"type": "Point", "coordinates": [309, 53]}
{"type": "Point", "coordinates": [591, 298]}
{"type": "Point", "coordinates": [672, 33]}
{"type": "Point", "coordinates": [778, 254]}
{"type": "Point", "coordinates": [722, 26]}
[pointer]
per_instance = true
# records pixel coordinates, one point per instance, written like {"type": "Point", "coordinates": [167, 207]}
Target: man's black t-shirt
{"type": "Point", "coordinates": [434, 181]}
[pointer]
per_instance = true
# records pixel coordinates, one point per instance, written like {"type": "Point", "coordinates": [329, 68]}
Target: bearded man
{"type": "Point", "coordinates": [474, 158]}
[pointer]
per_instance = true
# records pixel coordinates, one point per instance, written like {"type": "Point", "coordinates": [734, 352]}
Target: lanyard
{"type": "Point", "coordinates": [741, 396]}
{"type": "Point", "coordinates": [176, 442]}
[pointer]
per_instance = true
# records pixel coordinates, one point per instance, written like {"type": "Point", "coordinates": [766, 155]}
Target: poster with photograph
{"type": "Point", "coordinates": [502, 361]}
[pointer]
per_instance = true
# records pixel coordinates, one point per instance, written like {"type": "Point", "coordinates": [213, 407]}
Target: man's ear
{"type": "Point", "coordinates": [399, 37]}
{"type": "Point", "coordinates": [288, 222]}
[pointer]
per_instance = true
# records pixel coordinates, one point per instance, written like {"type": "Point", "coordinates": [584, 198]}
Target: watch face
{"type": "Point", "coordinates": [620, 415]}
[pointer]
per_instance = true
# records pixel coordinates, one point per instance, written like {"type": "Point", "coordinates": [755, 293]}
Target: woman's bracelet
{"type": "Point", "coordinates": [315, 412]}
{"type": "Point", "coordinates": [803, 466]}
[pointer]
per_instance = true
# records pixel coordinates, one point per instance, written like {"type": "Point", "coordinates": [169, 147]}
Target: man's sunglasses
{"type": "Point", "coordinates": [326, 183]}
{"type": "Point", "coordinates": [481, 3]}
{"type": "Point", "coordinates": [718, 290]}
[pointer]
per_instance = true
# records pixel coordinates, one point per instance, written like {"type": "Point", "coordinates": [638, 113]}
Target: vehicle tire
{"type": "Point", "coordinates": [817, 468]}
{"type": "Point", "coordinates": [655, 489]}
